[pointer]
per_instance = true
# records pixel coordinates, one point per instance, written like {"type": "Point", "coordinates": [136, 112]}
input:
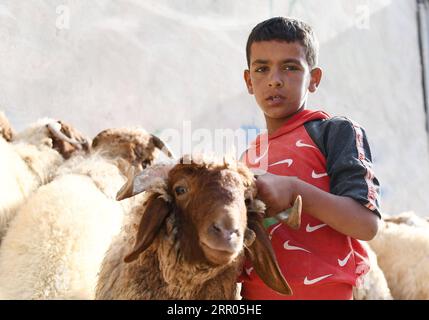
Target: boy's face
{"type": "Point", "coordinates": [280, 78]}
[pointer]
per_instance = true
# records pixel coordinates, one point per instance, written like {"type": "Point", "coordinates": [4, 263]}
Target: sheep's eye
{"type": "Point", "coordinates": [180, 190]}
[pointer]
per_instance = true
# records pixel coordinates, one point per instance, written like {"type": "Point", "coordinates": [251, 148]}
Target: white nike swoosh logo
{"type": "Point", "coordinates": [343, 262]}
{"type": "Point", "coordinates": [313, 281]}
{"type": "Point", "coordinates": [249, 270]}
{"type": "Point", "coordinates": [287, 246]}
{"type": "Point", "coordinates": [309, 228]}
{"type": "Point", "coordinates": [274, 229]}
{"type": "Point", "coordinates": [260, 157]}
{"type": "Point", "coordinates": [288, 161]}
{"type": "Point", "coordinates": [300, 144]}
{"type": "Point", "coordinates": [318, 175]}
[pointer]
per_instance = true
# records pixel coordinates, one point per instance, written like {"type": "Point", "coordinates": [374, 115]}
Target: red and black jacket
{"type": "Point", "coordinates": [332, 154]}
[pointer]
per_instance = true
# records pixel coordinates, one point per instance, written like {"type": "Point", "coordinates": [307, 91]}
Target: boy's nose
{"type": "Point", "coordinates": [275, 81]}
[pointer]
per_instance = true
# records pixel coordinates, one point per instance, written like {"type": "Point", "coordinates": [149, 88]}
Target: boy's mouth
{"type": "Point", "coordinates": [275, 99]}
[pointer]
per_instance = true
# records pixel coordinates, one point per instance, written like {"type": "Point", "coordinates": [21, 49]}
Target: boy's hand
{"type": "Point", "coordinates": [277, 192]}
{"type": "Point", "coordinates": [341, 213]}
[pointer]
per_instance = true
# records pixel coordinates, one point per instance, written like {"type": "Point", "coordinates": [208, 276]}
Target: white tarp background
{"type": "Point", "coordinates": [158, 63]}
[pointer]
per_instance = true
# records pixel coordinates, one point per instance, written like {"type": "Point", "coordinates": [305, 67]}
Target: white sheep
{"type": "Point", "coordinates": [373, 285]}
{"type": "Point", "coordinates": [54, 246]}
{"type": "Point", "coordinates": [188, 239]}
{"type": "Point", "coordinates": [403, 255]}
{"type": "Point", "coordinates": [31, 160]}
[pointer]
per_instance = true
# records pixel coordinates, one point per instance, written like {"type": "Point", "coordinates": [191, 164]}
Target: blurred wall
{"type": "Point", "coordinates": [158, 63]}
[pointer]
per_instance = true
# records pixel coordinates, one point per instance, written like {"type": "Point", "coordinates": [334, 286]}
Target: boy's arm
{"type": "Point", "coordinates": [353, 185]}
{"type": "Point", "coordinates": [345, 146]}
{"type": "Point", "coordinates": [341, 213]}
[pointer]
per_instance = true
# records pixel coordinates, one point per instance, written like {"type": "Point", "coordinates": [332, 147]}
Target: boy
{"type": "Point", "coordinates": [325, 160]}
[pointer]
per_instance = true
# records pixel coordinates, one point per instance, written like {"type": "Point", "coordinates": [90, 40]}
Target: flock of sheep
{"type": "Point", "coordinates": [180, 230]}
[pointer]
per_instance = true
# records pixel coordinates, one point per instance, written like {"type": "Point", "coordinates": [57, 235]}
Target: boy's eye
{"type": "Point", "coordinates": [290, 68]}
{"type": "Point", "coordinates": [261, 69]}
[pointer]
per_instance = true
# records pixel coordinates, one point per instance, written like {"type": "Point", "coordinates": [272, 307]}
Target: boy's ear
{"type": "Point", "coordinates": [248, 81]}
{"type": "Point", "coordinates": [316, 76]}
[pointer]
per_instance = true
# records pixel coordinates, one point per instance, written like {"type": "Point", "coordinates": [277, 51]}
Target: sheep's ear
{"type": "Point", "coordinates": [7, 133]}
{"type": "Point", "coordinates": [157, 209]}
{"type": "Point", "coordinates": [6, 130]}
{"type": "Point", "coordinates": [263, 258]}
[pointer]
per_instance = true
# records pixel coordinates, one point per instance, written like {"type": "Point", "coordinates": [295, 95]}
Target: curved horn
{"type": "Point", "coordinates": [127, 189]}
{"type": "Point", "coordinates": [55, 129]}
{"type": "Point", "coordinates": [151, 177]}
{"type": "Point", "coordinates": [292, 216]}
{"type": "Point", "coordinates": [162, 146]}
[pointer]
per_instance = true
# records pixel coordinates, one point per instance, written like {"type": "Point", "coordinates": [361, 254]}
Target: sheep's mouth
{"type": "Point", "coordinates": [217, 255]}
{"type": "Point", "coordinates": [223, 250]}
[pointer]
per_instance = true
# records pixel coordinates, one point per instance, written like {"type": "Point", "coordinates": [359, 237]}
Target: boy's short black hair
{"type": "Point", "coordinates": [285, 29]}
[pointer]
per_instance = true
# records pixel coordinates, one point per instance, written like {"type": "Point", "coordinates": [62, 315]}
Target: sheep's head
{"type": "Point", "coordinates": [215, 214]}
{"type": "Point", "coordinates": [135, 146]}
{"type": "Point", "coordinates": [211, 210]}
{"type": "Point", "coordinates": [5, 128]}
{"type": "Point", "coordinates": [55, 134]}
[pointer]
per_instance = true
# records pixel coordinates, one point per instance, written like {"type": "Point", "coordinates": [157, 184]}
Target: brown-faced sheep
{"type": "Point", "coordinates": [189, 239]}
{"type": "Point", "coordinates": [55, 245]}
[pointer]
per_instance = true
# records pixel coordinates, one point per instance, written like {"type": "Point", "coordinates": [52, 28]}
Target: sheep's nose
{"type": "Point", "coordinates": [224, 232]}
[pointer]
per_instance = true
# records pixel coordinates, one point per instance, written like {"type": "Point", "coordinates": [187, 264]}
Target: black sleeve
{"type": "Point", "coordinates": [349, 164]}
